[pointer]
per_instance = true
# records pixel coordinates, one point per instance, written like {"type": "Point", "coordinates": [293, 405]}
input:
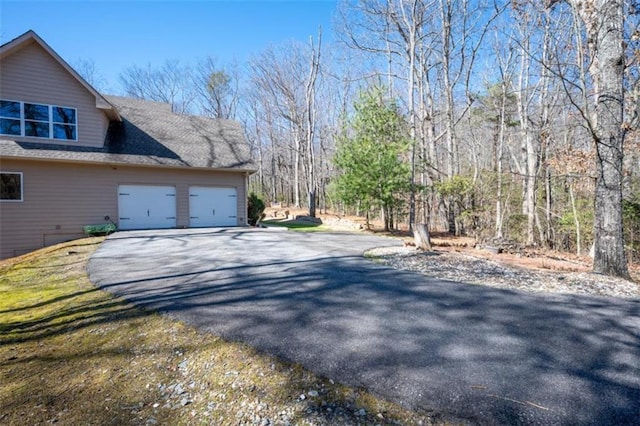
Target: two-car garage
{"type": "Point", "coordinates": [156, 207]}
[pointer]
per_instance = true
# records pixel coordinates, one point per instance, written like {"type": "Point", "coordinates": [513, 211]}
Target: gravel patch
{"type": "Point", "coordinates": [466, 268]}
{"type": "Point", "coordinates": [238, 398]}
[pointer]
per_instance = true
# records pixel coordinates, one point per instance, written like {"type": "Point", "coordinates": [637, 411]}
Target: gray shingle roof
{"type": "Point", "coordinates": [150, 134]}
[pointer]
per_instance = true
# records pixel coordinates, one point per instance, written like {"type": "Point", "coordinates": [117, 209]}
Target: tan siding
{"type": "Point", "coordinates": [32, 75]}
{"type": "Point", "coordinates": [60, 198]}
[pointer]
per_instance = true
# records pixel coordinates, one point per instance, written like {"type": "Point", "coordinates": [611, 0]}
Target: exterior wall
{"type": "Point", "coordinates": [60, 198]}
{"type": "Point", "coordinates": [32, 75]}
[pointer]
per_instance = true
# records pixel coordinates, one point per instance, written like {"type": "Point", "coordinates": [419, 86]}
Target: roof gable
{"type": "Point", "coordinates": [29, 37]}
{"type": "Point", "coordinates": [141, 133]}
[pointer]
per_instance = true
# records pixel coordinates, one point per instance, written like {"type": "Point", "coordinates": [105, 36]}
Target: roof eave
{"type": "Point", "coordinates": [116, 163]}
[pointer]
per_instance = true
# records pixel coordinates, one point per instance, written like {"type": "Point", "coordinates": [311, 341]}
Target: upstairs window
{"type": "Point", "coordinates": [38, 120]}
{"type": "Point", "coordinates": [10, 186]}
{"type": "Point", "coordinates": [10, 118]}
{"type": "Point", "coordinates": [64, 123]}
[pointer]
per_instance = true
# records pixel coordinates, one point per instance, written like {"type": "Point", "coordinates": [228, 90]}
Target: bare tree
{"type": "Point", "coordinates": [604, 22]}
{"type": "Point", "coordinates": [503, 99]}
{"type": "Point", "coordinates": [217, 88]}
{"type": "Point", "coordinates": [169, 83]}
{"type": "Point", "coordinates": [286, 79]}
{"type": "Point", "coordinates": [533, 44]}
{"type": "Point", "coordinates": [310, 99]}
{"type": "Point", "coordinates": [609, 257]}
{"type": "Point", "coordinates": [395, 29]}
{"type": "Point", "coordinates": [86, 67]}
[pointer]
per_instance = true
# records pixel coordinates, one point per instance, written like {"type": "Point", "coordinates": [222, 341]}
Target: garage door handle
{"type": "Point", "coordinates": [213, 211]}
{"type": "Point", "coordinates": [147, 212]}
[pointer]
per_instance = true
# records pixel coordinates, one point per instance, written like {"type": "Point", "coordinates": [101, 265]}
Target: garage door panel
{"type": "Point", "coordinates": [146, 207]}
{"type": "Point", "coordinates": [209, 206]}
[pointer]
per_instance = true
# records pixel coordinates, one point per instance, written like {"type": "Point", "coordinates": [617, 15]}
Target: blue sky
{"type": "Point", "coordinates": [117, 34]}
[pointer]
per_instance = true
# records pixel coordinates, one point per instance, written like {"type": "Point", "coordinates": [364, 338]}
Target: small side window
{"type": "Point", "coordinates": [10, 186]}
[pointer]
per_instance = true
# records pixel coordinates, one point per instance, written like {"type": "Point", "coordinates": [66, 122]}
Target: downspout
{"type": "Point", "coordinates": [245, 219]}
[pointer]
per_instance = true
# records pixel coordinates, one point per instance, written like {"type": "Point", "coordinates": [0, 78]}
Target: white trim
{"type": "Point", "coordinates": [112, 164]}
{"type": "Point", "coordinates": [21, 186]}
{"type": "Point", "coordinates": [50, 121]}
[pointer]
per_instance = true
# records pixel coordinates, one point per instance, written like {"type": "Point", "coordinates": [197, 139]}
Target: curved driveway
{"type": "Point", "coordinates": [467, 352]}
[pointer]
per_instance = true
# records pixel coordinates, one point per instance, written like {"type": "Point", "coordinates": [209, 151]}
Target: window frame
{"type": "Point", "coordinates": [35, 121]}
{"type": "Point", "coordinates": [51, 123]}
{"type": "Point", "coordinates": [21, 174]}
{"type": "Point", "coordinates": [18, 118]}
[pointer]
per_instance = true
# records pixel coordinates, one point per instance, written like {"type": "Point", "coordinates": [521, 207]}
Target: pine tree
{"type": "Point", "coordinates": [370, 156]}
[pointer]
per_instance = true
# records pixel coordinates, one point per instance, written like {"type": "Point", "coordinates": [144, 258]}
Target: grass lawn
{"type": "Point", "coordinates": [299, 226]}
{"type": "Point", "coordinates": [71, 354]}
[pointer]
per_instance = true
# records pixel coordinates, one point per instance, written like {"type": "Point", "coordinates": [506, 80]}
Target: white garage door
{"type": "Point", "coordinates": [212, 207]}
{"type": "Point", "coordinates": [146, 207]}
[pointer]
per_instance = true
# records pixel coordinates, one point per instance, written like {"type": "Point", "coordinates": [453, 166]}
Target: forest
{"type": "Point", "coordinates": [503, 120]}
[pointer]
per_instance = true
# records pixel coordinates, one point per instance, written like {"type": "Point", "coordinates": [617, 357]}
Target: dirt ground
{"type": "Point", "coordinates": [533, 258]}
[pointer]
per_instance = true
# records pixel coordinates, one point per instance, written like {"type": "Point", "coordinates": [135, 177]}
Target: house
{"type": "Point", "coordinates": [70, 157]}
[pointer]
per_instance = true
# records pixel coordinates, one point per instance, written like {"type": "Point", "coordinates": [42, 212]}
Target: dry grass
{"type": "Point", "coordinates": [71, 354]}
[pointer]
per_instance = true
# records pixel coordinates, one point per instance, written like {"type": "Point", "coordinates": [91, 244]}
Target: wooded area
{"type": "Point", "coordinates": [519, 119]}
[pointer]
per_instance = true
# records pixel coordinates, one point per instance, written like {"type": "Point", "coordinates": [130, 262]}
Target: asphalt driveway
{"type": "Point", "coordinates": [468, 352]}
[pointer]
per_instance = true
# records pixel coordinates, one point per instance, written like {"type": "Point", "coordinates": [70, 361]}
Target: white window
{"type": "Point", "coordinates": [38, 120]}
{"type": "Point", "coordinates": [11, 186]}
{"type": "Point", "coordinates": [10, 118]}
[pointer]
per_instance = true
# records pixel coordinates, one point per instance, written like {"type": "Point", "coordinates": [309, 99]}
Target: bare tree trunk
{"type": "Point", "coordinates": [499, 212]}
{"type": "Point", "coordinates": [296, 169]}
{"type": "Point", "coordinates": [531, 182]}
{"type": "Point", "coordinates": [389, 54]}
{"type": "Point", "coordinates": [411, 49]}
{"type": "Point", "coordinates": [549, 205]}
{"type": "Point", "coordinates": [272, 142]}
{"type": "Point", "coordinates": [310, 94]}
{"type": "Point", "coordinates": [604, 22]}
{"type": "Point", "coordinates": [427, 134]}
{"type": "Point", "coordinates": [576, 220]}
{"type": "Point", "coordinates": [274, 181]}
{"type": "Point", "coordinates": [260, 162]}
{"type": "Point", "coordinates": [505, 74]}
{"type": "Point", "coordinates": [609, 256]}
{"type": "Point", "coordinates": [530, 154]}
{"type": "Point", "coordinates": [408, 23]}
{"type": "Point", "coordinates": [446, 17]}
{"type": "Point", "coordinates": [545, 105]}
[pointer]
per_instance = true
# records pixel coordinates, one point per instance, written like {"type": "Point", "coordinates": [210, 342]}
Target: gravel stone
{"type": "Point", "coordinates": [466, 268]}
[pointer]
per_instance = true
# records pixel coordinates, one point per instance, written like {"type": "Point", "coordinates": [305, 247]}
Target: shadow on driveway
{"type": "Point", "coordinates": [469, 352]}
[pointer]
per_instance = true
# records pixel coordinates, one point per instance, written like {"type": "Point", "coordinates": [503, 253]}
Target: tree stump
{"type": "Point", "coordinates": [421, 237]}
{"type": "Point", "coordinates": [312, 203]}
